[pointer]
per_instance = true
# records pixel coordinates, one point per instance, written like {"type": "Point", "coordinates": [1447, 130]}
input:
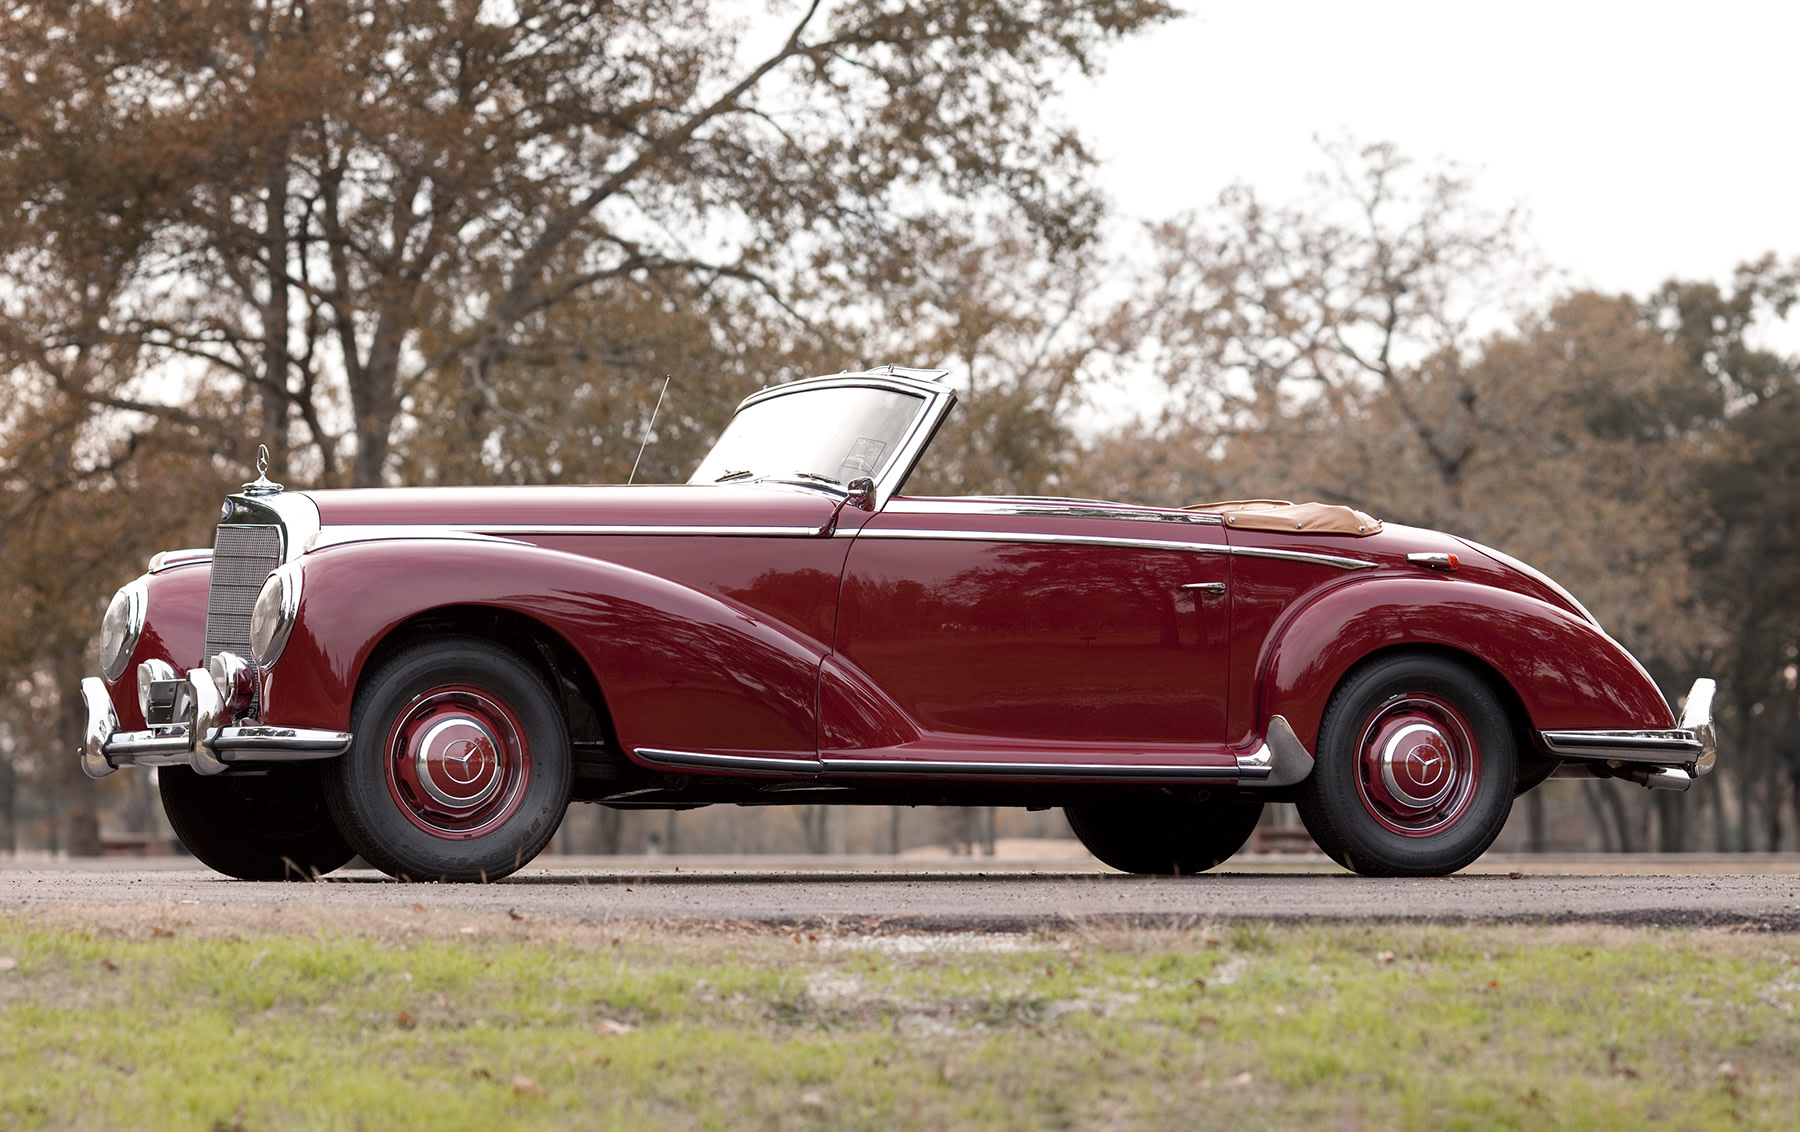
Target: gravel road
{"type": "Point", "coordinates": [1759, 892]}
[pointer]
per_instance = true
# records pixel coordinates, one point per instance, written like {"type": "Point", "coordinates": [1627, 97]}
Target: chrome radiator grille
{"type": "Point", "coordinates": [243, 558]}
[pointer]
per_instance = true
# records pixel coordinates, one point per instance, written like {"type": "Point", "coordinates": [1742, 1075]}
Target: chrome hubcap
{"type": "Point", "coordinates": [457, 762]}
{"type": "Point", "coordinates": [1417, 765]}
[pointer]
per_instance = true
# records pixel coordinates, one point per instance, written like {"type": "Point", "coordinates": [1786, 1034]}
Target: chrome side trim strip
{"type": "Point", "coordinates": [644, 529]}
{"type": "Point", "coordinates": [1303, 556]}
{"type": "Point", "coordinates": [384, 532]}
{"type": "Point", "coordinates": [1052, 508]}
{"type": "Point", "coordinates": [906, 768]}
{"type": "Point", "coordinates": [1109, 541]}
{"type": "Point", "coordinates": [746, 764]}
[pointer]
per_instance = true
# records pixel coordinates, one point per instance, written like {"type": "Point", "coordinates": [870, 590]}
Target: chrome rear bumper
{"type": "Point", "coordinates": [1659, 758]}
{"type": "Point", "coordinates": [199, 742]}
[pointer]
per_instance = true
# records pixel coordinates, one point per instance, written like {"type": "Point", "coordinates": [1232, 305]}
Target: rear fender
{"type": "Point", "coordinates": [680, 668]}
{"type": "Point", "coordinates": [1565, 672]}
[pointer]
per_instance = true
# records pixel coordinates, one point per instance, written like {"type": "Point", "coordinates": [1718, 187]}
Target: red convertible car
{"type": "Point", "coordinates": [428, 677]}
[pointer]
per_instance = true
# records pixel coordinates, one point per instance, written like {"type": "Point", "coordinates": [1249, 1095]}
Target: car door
{"type": "Point", "coordinates": [971, 627]}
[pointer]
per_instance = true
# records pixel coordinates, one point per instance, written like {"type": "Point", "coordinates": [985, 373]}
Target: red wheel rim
{"type": "Point", "coordinates": [1417, 765]}
{"type": "Point", "coordinates": [457, 762]}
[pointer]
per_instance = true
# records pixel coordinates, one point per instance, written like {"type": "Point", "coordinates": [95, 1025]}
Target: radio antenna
{"type": "Point", "coordinates": [648, 425]}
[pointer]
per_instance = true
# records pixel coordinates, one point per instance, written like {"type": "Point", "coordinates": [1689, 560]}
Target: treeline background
{"type": "Point", "coordinates": [433, 241]}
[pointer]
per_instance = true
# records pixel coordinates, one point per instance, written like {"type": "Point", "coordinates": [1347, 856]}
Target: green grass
{"type": "Point", "coordinates": [386, 1023]}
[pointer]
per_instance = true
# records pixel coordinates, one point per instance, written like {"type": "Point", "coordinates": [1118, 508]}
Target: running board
{"type": "Point", "coordinates": [1281, 761]}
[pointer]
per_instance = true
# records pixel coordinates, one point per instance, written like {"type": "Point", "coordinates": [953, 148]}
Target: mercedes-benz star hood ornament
{"type": "Point", "coordinates": [262, 484]}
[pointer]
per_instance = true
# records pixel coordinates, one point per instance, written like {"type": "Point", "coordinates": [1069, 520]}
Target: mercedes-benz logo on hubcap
{"type": "Point", "coordinates": [1425, 764]}
{"type": "Point", "coordinates": [460, 761]}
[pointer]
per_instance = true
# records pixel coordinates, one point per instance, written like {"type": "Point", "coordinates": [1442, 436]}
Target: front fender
{"type": "Point", "coordinates": [174, 632]}
{"type": "Point", "coordinates": [681, 669]}
{"type": "Point", "coordinates": [1566, 672]}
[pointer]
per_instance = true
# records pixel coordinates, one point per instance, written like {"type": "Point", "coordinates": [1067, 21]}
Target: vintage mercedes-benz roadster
{"type": "Point", "coordinates": [428, 677]}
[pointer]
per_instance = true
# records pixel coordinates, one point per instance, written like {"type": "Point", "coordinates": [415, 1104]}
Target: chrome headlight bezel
{"type": "Point", "coordinates": [122, 626]}
{"type": "Point", "coordinates": [272, 617]}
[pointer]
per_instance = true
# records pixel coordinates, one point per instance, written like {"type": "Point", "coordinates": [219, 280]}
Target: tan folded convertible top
{"type": "Point", "coordinates": [1281, 515]}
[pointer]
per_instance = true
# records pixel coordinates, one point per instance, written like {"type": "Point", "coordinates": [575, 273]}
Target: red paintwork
{"type": "Point", "coordinates": [174, 631]}
{"type": "Point", "coordinates": [680, 667]}
{"type": "Point", "coordinates": [891, 650]}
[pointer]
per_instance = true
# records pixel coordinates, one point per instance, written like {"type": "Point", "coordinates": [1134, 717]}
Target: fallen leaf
{"type": "Point", "coordinates": [514, 913]}
{"type": "Point", "coordinates": [812, 1100]}
{"type": "Point", "coordinates": [107, 963]}
{"type": "Point", "coordinates": [155, 930]}
{"type": "Point", "coordinates": [418, 907]}
{"type": "Point", "coordinates": [1384, 957]}
{"type": "Point", "coordinates": [404, 1020]}
{"type": "Point", "coordinates": [466, 931]}
{"type": "Point", "coordinates": [524, 1086]}
{"type": "Point", "coordinates": [1243, 1078]}
{"type": "Point", "coordinates": [1515, 876]}
{"type": "Point", "coordinates": [608, 1026]}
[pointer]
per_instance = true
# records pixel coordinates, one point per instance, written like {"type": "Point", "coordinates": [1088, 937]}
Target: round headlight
{"type": "Point", "coordinates": [121, 627]}
{"type": "Point", "coordinates": [273, 617]}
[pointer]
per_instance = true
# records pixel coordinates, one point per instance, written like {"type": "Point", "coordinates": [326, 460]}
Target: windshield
{"type": "Point", "coordinates": [829, 436]}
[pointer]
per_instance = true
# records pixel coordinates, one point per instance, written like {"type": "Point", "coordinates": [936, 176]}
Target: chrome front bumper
{"type": "Point", "coordinates": [199, 741]}
{"type": "Point", "coordinates": [1661, 759]}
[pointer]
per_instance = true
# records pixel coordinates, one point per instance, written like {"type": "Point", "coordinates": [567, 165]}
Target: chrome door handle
{"type": "Point", "coordinates": [1207, 589]}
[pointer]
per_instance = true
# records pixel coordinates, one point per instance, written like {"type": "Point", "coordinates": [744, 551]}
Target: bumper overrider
{"type": "Point", "coordinates": [1661, 759]}
{"type": "Point", "coordinates": [203, 724]}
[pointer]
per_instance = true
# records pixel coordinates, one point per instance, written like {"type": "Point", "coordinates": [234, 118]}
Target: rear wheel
{"type": "Point", "coordinates": [1415, 771]}
{"type": "Point", "coordinates": [459, 769]}
{"type": "Point", "coordinates": [273, 826]}
{"type": "Point", "coordinates": [1163, 835]}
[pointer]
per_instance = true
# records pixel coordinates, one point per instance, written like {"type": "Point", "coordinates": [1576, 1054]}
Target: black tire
{"type": "Point", "coordinates": [273, 826]}
{"type": "Point", "coordinates": [460, 767]}
{"type": "Point", "coordinates": [1164, 835]}
{"type": "Point", "coordinates": [1415, 771]}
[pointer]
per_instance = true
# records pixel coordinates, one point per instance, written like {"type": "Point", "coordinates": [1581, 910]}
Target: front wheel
{"type": "Point", "coordinates": [1164, 835]}
{"type": "Point", "coordinates": [272, 826]}
{"type": "Point", "coordinates": [1415, 771]}
{"type": "Point", "coordinates": [459, 769]}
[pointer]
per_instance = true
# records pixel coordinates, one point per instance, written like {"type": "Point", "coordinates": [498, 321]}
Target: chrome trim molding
{"type": "Point", "coordinates": [1697, 716]}
{"type": "Point", "coordinates": [259, 743]}
{"type": "Point", "coordinates": [637, 529]}
{"type": "Point", "coordinates": [1282, 760]}
{"type": "Point", "coordinates": [746, 764]}
{"type": "Point", "coordinates": [102, 723]}
{"type": "Point", "coordinates": [945, 768]}
{"type": "Point", "coordinates": [385, 532]}
{"type": "Point", "coordinates": [1049, 508]}
{"type": "Point", "coordinates": [1110, 541]}
{"type": "Point", "coordinates": [209, 714]}
{"type": "Point", "coordinates": [1692, 748]}
{"type": "Point", "coordinates": [169, 559]}
{"type": "Point", "coordinates": [1648, 746]}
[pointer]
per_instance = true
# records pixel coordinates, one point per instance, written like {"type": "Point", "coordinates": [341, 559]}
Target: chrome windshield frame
{"type": "Point", "coordinates": [936, 401]}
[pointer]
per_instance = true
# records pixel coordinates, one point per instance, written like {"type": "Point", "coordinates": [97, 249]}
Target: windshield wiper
{"type": "Point", "coordinates": [832, 480]}
{"type": "Point", "coordinates": [729, 476]}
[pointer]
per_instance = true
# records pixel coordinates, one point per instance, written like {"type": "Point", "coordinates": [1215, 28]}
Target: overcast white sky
{"type": "Point", "coordinates": [1645, 139]}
